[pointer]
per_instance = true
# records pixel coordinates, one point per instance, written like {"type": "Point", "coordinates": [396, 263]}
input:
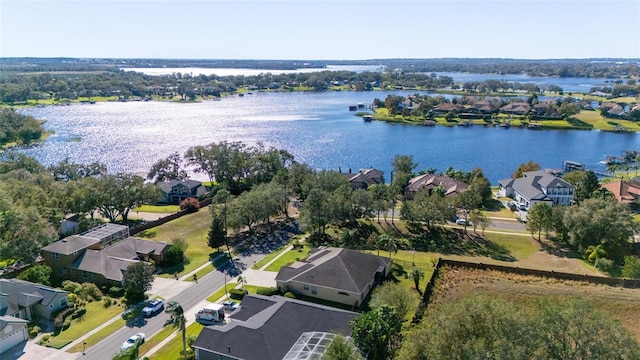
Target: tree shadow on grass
{"type": "Point", "coordinates": [460, 242]}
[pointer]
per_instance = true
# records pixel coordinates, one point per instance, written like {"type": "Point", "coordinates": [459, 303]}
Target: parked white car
{"type": "Point", "coordinates": [153, 307]}
{"type": "Point", "coordinates": [132, 341]}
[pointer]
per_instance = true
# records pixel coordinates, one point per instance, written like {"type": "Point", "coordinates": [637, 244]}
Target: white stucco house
{"type": "Point", "coordinates": [537, 186]}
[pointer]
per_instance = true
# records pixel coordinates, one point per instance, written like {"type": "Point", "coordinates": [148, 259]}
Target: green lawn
{"type": "Point", "coordinates": [99, 336]}
{"type": "Point", "coordinates": [269, 257]}
{"type": "Point", "coordinates": [157, 209]}
{"type": "Point", "coordinates": [156, 339]}
{"type": "Point", "coordinates": [289, 257]}
{"type": "Point", "coordinates": [193, 228]}
{"type": "Point", "coordinates": [96, 315]}
{"type": "Point", "coordinates": [173, 349]}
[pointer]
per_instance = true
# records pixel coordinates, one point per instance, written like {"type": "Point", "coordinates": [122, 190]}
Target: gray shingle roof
{"type": "Point", "coordinates": [112, 261]}
{"type": "Point", "coordinates": [335, 268]}
{"type": "Point", "coordinates": [70, 244]}
{"type": "Point", "coordinates": [273, 327]}
{"type": "Point", "coordinates": [21, 293]}
{"type": "Point", "coordinates": [530, 185]}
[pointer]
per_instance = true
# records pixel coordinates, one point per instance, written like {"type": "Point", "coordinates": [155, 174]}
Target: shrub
{"type": "Point", "coordinates": [604, 264]}
{"type": "Point", "coordinates": [107, 302]}
{"type": "Point", "coordinates": [61, 316]}
{"type": "Point", "coordinates": [290, 295]}
{"type": "Point", "coordinates": [34, 331]}
{"type": "Point", "coordinates": [89, 290]}
{"type": "Point", "coordinates": [71, 286]}
{"type": "Point", "coordinates": [73, 298]}
{"type": "Point", "coordinates": [78, 313]}
{"type": "Point", "coordinates": [173, 256]}
{"type": "Point", "coordinates": [267, 291]}
{"type": "Point", "coordinates": [44, 339]}
{"type": "Point", "coordinates": [66, 323]}
{"type": "Point", "coordinates": [116, 292]}
{"type": "Point", "coordinates": [237, 294]}
{"type": "Point", "coordinates": [190, 205]}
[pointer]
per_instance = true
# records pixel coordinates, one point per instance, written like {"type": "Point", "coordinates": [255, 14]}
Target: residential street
{"type": "Point", "coordinates": [191, 298]}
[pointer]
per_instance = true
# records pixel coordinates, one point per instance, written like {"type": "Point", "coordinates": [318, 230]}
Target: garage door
{"type": "Point", "coordinates": [12, 338]}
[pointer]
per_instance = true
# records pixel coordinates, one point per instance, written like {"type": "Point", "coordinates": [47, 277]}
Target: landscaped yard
{"type": "Point", "coordinates": [96, 315]}
{"type": "Point", "coordinates": [157, 209]}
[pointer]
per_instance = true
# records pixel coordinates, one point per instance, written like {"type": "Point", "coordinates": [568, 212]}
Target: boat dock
{"type": "Point", "coordinates": [569, 166]}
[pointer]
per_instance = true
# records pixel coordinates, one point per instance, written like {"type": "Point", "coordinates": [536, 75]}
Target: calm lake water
{"type": "Point", "coordinates": [317, 128]}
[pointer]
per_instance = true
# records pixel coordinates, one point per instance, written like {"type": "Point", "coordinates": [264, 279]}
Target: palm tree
{"type": "Point", "coordinates": [177, 319]}
{"type": "Point", "coordinates": [416, 275]}
{"type": "Point", "coordinates": [242, 280]}
{"type": "Point", "coordinates": [388, 243]}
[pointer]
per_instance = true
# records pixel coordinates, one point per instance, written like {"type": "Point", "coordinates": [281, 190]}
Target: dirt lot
{"type": "Point", "coordinates": [619, 302]}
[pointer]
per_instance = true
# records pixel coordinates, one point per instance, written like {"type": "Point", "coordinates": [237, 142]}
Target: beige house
{"type": "Point", "coordinates": [428, 182]}
{"type": "Point", "coordinates": [340, 275]}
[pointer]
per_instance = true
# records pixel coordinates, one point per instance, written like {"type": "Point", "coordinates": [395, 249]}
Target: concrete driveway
{"type": "Point", "coordinates": [31, 350]}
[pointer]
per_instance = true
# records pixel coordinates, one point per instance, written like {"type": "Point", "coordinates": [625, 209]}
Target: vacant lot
{"type": "Point", "coordinates": [457, 283]}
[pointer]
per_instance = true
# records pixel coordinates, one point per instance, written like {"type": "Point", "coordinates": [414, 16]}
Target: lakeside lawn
{"type": "Point", "coordinates": [96, 315]}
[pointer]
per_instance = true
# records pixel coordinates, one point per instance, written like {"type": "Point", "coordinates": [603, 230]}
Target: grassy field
{"type": "Point", "coordinates": [621, 303]}
{"type": "Point", "coordinates": [193, 228]}
{"type": "Point", "coordinates": [96, 315]}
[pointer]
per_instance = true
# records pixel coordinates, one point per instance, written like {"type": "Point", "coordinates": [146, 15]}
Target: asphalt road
{"type": "Point", "coordinates": [107, 348]}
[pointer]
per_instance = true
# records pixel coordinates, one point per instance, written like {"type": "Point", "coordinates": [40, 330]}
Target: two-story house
{"type": "Point", "coordinates": [537, 186]}
{"type": "Point", "coordinates": [100, 255]}
{"type": "Point", "coordinates": [174, 191]}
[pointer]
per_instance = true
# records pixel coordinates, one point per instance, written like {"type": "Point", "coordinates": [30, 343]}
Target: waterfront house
{"type": "Point", "coordinates": [13, 331]}
{"type": "Point", "coordinates": [334, 274]}
{"type": "Point", "coordinates": [26, 300]}
{"type": "Point", "coordinates": [273, 328]}
{"type": "Point", "coordinates": [428, 182]}
{"type": "Point", "coordinates": [612, 110]}
{"type": "Point", "coordinates": [447, 107]}
{"type": "Point", "coordinates": [100, 255]}
{"type": "Point", "coordinates": [364, 178]}
{"type": "Point", "coordinates": [537, 186]}
{"type": "Point", "coordinates": [516, 108]}
{"type": "Point", "coordinates": [174, 191]}
{"type": "Point", "coordinates": [626, 192]}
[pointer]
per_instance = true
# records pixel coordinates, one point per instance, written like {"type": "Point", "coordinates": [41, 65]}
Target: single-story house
{"type": "Point", "coordinates": [273, 328]}
{"type": "Point", "coordinates": [26, 300]}
{"type": "Point", "coordinates": [428, 182]}
{"type": "Point", "coordinates": [516, 108]}
{"type": "Point", "coordinates": [13, 331]}
{"type": "Point", "coordinates": [174, 191]}
{"type": "Point", "coordinates": [537, 186]}
{"type": "Point", "coordinates": [100, 255]}
{"type": "Point", "coordinates": [625, 192]}
{"type": "Point", "coordinates": [340, 275]}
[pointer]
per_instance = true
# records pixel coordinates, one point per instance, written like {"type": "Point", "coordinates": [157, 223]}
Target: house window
{"type": "Point", "coordinates": [63, 303]}
{"type": "Point", "coordinates": [64, 271]}
{"type": "Point", "coordinates": [314, 290]}
{"type": "Point", "coordinates": [17, 315]}
{"type": "Point", "coordinates": [55, 256]}
{"type": "Point", "coordinates": [93, 276]}
{"type": "Point", "coordinates": [305, 287]}
{"type": "Point", "coordinates": [84, 274]}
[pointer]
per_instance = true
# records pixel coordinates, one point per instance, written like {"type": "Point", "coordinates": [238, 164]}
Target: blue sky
{"type": "Point", "coordinates": [320, 30]}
